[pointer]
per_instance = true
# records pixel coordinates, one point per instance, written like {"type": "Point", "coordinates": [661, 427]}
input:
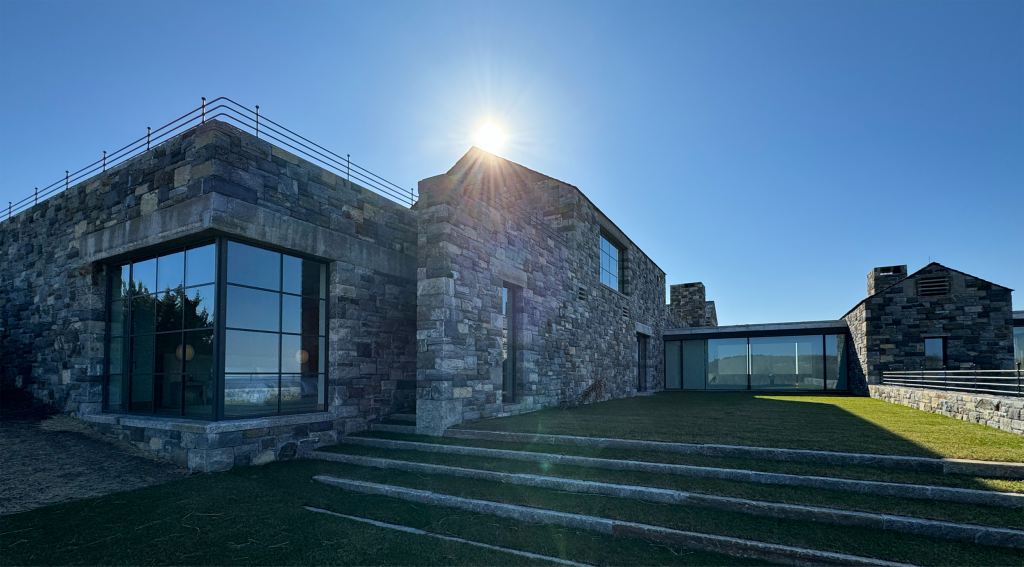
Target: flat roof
{"type": "Point", "coordinates": [765, 329]}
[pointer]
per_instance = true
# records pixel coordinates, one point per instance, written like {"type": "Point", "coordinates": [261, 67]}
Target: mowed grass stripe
{"type": "Point", "coordinates": [850, 540]}
{"type": "Point", "coordinates": [803, 469]}
{"type": "Point", "coordinates": [850, 424]}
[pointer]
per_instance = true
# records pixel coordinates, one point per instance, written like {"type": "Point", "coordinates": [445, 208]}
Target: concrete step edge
{"type": "Point", "coordinates": [734, 547]}
{"type": "Point", "coordinates": [971, 533]}
{"type": "Point", "coordinates": [391, 428]}
{"type": "Point", "coordinates": [917, 491]}
{"type": "Point", "coordinates": [417, 531]}
{"type": "Point", "coordinates": [990, 469]}
{"type": "Point", "coordinates": [409, 417]}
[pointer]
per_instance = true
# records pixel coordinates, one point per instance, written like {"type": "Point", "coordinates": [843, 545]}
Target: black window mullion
{"type": "Point", "coordinates": [280, 328]}
{"type": "Point", "coordinates": [219, 298]}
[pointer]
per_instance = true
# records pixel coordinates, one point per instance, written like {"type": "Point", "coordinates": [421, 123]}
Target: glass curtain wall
{"type": "Point", "coordinates": [165, 339]}
{"type": "Point", "coordinates": [1018, 348]}
{"type": "Point", "coordinates": [807, 362]}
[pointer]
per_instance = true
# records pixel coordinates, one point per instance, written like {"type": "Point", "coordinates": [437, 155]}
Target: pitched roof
{"type": "Point", "coordinates": [884, 289]}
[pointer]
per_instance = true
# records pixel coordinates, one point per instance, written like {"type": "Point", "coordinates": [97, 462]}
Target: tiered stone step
{"type": "Point", "coordinates": [640, 497]}
{"type": "Point", "coordinates": [406, 417]}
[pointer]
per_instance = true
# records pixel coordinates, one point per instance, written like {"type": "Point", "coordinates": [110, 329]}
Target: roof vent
{"type": "Point", "coordinates": [928, 286]}
{"type": "Point", "coordinates": [625, 311]}
{"type": "Point", "coordinates": [581, 294]}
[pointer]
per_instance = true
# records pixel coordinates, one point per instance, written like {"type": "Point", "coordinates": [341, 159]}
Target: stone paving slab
{"type": "Point", "coordinates": [1000, 537]}
{"type": "Point", "coordinates": [962, 495]}
{"type": "Point", "coordinates": [992, 469]}
{"type": "Point", "coordinates": [735, 547]}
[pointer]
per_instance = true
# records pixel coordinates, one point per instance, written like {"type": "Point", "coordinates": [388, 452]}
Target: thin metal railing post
{"type": "Point", "coordinates": [66, 175]}
{"type": "Point", "coordinates": [149, 132]}
{"type": "Point", "coordinates": [204, 110]}
{"type": "Point", "coordinates": [8, 209]}
{"type": "Point", "coordinates": [348, 168]}
{"type": "Point", "coordinates": [104, 160]}
{"type": "Point", "coordinates": [37, 195]}
{"type": "Point", "coordinates": [257, 121]}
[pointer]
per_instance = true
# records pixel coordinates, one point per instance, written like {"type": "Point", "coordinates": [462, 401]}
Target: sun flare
{"type": "Point", "coordinates": [490, 137]}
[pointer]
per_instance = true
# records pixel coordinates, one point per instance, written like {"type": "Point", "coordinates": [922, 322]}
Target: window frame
{"type": "Point", "coordinates": [220, 287]}
{"type": "Point", "coordinates": [603, 237]}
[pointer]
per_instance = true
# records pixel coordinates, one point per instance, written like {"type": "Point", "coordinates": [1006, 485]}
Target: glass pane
{"type": "Point", "coordinates": [116, 355]}
{"type": "Point", "coordinates": [303, 315]}
{"type": "Point", "coordinates": [250, 395]}
{"type": "Point", "coordinates": [169, 353]}
{"type": "Point", "coordinates": [254, 266]}
{"type": "Point", "coordinates": [200, 265]}
{"type": "Point", "coordinates": [312, 317]}
{"type": "Point", "coordinates": [118, 316]}
{"type": "Point", "coordinates": [673, 365]}
{"type": "Point", "coordinates": [168, 393]}
{"type": "Point", "coordinates": [727, 364]}
{"type": "Point", "coordinates": [841, 370]}
{"type": "Point", "coordinates": [119, 282]}
{"type": "Point", "coordinates": [142, 393]}
{"type": "Point", "coordinates": [144, 277]}
{"type": "Point", "coordinates": [304, 277]}
{"type": "Point", "coordinates": [253, 309]}
{"type": "Point", "coordinates": [170, 271]}
{"type": "Point", "coordinates": [693, 365]}
{"type": "Point", "coordinates": [291, 314]}
{"type": "Point", "coordinates": [198, 352]}
{"type": "Point", "coordinates": [199, 307]}
{"type": "Point", "coordinates": [299, 393]}
{"type": "Point", "coordinates": [143, 314]}
{"type": "Point", "coordinates": [143, 354]}
{"type": "Point", "coordinates": [198, 396]}
{"type": "Point", "coordinates": [1018, 348]}
{"type": "Point", "coordinates": [115, 392]}
{"type": "Point", "coordinates": [787, 363]}
{"type": "Point", "coordinates": [251, 352]}
{"type": "Point", "coordinates": [934, 357]}
{"type": "Point", "coordinates": [169, 310]}
{"type": "Point", "coordinates": [321, 396]}
{"type": "Point", "coordinates": [301, 354]}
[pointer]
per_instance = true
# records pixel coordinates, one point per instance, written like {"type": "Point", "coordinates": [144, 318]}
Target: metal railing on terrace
{"type": "Point", "coordinates": [247, 119]}
{"type": "Point", "coordinates": [991, 382]}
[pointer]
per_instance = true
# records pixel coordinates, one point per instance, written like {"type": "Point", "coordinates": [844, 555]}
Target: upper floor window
{"type": "Point", "coordinates": [611, 255]}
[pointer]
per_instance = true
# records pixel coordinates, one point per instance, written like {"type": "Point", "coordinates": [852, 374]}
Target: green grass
{"type": "Point", "coordinates": [806, 469]}
{"type": "Point", "coordinates": [254, 516]}
{"type": "Point", "coordinates": [827, 423]}
{"type": "Point", "coordinates": [946, 511]}
{"type": "Point", "coordinates": [842, 539]}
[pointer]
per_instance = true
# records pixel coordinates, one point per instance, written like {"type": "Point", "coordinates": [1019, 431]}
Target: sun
{"type": "Point", "coordinates": [490, 137]}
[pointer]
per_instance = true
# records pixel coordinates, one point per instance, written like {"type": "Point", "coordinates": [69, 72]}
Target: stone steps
{"type": "Point", "coordinates": [984, 535]}
{"type": "Point", "coordinates": [989, 469]}
{"type": "Point", "coordinates": [392, 428]}
{"type": "Point", "coordinates": [406, 417]}
{"type": "Point", "coordinates": [889, 489]}
{"type": "Point", "coordinates": [736, 547]}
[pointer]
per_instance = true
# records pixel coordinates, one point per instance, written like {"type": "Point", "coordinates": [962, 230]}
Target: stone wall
{"type": "Point", "coordinates": [888, 329]}
{"type": "Point", "coordinates": [208, 181]}
{"type": "Point", "coordinates": [994, 411]}
{"type": "Point", "coordinates": [490, 223]}
{"type": "Point", "coordinates": [688, 305]}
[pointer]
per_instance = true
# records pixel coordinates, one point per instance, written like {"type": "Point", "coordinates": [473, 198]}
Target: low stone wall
{"type": "Point", "coordinates": [208, 446]}
{"type": "Point", "coordinates": [994, 411]}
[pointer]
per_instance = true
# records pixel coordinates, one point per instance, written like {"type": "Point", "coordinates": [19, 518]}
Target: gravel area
{"type": "Point", "coordinates": [60, 459]}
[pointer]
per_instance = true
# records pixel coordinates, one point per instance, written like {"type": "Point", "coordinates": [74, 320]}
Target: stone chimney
{"type": "Point", "coordinates": [881, 278]}
{"type": "Point", "coordinates": [688, 304]}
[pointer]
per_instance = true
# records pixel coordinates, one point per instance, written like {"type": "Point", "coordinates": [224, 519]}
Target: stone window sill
{"type": "Point", "coordinates": [202, 426]}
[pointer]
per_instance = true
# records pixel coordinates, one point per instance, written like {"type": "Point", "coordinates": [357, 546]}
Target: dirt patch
{"type": "Point", "coordinates": [60, 459]}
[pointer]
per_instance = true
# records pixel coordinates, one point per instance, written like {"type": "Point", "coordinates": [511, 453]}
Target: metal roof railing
{"type": "Point", "coordinates": [250, 120]}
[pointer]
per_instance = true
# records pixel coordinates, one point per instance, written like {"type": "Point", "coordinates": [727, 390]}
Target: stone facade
{"type": "Point", "coordinates": [490, 223]}
{"type": "Point", "coordinates": [889, 327]}
{"type": "Point", "coordinates": [994, 411]}
{"type": "Point", "coordinates": [213, 180]}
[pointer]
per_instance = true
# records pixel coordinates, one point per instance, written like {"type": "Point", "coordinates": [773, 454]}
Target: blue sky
{"type": "Point", "coordinates": [775, 151]}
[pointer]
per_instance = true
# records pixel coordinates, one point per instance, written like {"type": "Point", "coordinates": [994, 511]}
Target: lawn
{"type": "Point", "coordinates": [829, 423]}
{"type": "Point", "coordinates": [255, 516]}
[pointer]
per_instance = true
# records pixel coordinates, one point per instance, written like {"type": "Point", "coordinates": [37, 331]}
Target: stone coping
{"type": "Point", "coordinates": [792, 326]}
{"type": "Point", "coordinates": [993, 469]}
{"type": "Point", "coordinates": [203, 426]}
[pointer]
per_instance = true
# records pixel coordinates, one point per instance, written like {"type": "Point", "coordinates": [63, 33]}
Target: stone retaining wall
{"type": "Point", "coordinates": [994, 411]}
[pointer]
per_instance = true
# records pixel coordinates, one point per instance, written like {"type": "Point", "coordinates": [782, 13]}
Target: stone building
{"type": "Point", "coordinates": [221, 301]}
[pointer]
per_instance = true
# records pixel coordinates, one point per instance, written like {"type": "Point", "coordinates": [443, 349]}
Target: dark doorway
{"type": "Point", "coordinates": [508, 344]}
{"type": "Point", "coordinates": [641, 363]}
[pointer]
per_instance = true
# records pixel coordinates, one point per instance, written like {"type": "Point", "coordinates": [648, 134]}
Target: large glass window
{"type": "Point", "coordinates": [1018, 348]}
{"type": "Point", "coordinates": [673, 365]}
{"type": "Point", "coordinates": [610, 255]}
{"type": "Point", "coordinates": [275, 337]}
{"type": "Point", "coordinates": [163, 353]}
{"type": "Point", "coordinates": [835, 362]}
{"type": "Point", "coordinates": [727, 364]}
{"type": "Point", "coordinates": [787, 363]}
